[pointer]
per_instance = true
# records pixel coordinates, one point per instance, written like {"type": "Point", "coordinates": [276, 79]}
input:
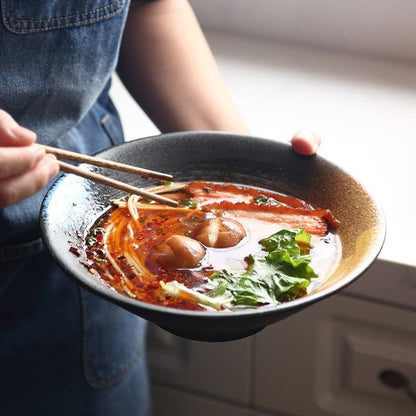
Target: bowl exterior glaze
{"type": "Point", "coordinates": [73, 204]}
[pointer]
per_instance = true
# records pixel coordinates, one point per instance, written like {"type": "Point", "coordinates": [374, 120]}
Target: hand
{"type": "Point", "coordinates": [305, 142]}
{"type": "Point", "coordinates": [24, 167]}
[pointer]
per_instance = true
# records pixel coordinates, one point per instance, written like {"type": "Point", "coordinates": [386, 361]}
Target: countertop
{"type": "Point", "coordinates": [364, 108]}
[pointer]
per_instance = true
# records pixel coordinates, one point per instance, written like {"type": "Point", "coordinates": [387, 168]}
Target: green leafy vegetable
{"type": "Point", "coordinates": [284, 273]}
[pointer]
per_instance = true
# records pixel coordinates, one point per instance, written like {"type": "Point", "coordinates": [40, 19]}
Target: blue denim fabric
{"type": "Point", "coordinates": [56, 59]}
{"type": "Point", "coordinates": [66, 352]}
{"type": "Point", "coordinates": [63, 351]}
{"type": "Point", "coordinates": [21, 17]}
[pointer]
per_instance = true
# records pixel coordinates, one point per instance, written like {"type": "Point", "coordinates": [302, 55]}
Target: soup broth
{"type": "Point", "coordinates": [218, 250]}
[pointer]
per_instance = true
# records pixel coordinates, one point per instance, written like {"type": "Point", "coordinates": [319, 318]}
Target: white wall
{"type": "Point", "coordinates": [384, 28]}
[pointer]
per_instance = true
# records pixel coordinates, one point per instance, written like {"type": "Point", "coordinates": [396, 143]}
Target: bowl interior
{"type": "Point", "coordinates": [72, 205]}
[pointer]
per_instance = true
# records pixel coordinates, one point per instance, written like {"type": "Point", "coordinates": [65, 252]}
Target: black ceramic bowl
{"type": "Point", "coordinates": [73, 203]}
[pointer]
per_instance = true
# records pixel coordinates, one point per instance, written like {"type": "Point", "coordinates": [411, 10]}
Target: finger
{"type": "Point", "coordinates": [306, 142]}
{"type": "Point", "coordinates": [18, 160]}
{"type": "Point", "coordinates": [21, 186]}
{"type": "Point", "coordinates": [12, 134]}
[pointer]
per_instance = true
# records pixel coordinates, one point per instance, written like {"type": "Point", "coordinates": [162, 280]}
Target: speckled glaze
{"type": "Point", "coordinates": [73, 203]}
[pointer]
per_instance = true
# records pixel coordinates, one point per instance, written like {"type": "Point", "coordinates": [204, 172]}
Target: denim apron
{"type": "Point", "coordinates": [63, 351]}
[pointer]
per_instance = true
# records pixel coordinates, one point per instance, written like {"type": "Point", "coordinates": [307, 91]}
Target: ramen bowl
{"type": "Point", "coordinates": [73, 204]}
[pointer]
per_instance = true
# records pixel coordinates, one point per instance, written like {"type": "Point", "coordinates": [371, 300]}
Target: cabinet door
{"type": "Point", "coordinates": [338, 357]}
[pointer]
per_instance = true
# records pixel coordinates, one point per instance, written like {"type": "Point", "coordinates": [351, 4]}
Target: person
{"type": "Point", "coordinates": [64, 351]}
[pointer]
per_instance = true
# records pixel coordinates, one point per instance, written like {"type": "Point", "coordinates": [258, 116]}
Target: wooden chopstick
{"type": "Point", "coordinates": [66, 167]}
{"type": "Point", "coordinates": [92, 160]}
